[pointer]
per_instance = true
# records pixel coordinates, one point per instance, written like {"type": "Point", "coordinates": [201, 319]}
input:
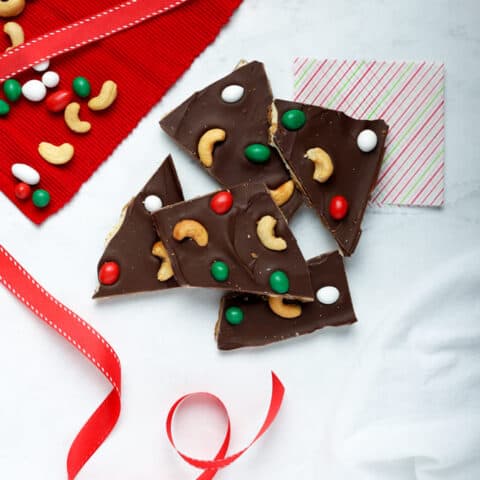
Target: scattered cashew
{"type": "Point", "coordinates": [11, 8]}
{"type": "Point", "coordinates": [14, 32]}
{"type": "Point", "coordinates": [323, 164]}
{"type": "Point", "coordinates": [284, 310]}
{"type": "Point", "coordinates": [206, 144]}
{"type": "Point", "coordinates": [73, 121]}
{"type": "Point", "coordinates": [107, 95]}
{"type": "Point", "coordinates": [56, 155]}
{"type": "Point", "coordinates": [191, 229]}
{"type": "Point", "coordinates": [266, 234]}
{"type": "Point", "coordinates": [165, 271]}
{"type": "Point", "coordinates": [282, 194]}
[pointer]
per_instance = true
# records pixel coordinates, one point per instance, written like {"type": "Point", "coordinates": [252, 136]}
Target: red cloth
{"type": "Point", "coordinates": [144, 61]}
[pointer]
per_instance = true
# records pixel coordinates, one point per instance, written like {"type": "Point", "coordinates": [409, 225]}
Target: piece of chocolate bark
{"type": "Point", "coordinates": [236, 239]}
{"type": "Point", "coordinates": [134, 258]}
{"type": "Point", "coordinates": [225, 127]}
{"type": "Point", "coordinates": [252, 320]}
{"type": "Point", "coordinates": [334, 159]}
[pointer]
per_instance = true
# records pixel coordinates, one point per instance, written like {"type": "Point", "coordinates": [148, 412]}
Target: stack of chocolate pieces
{"type": "Point", "coordinates": [269, 156]}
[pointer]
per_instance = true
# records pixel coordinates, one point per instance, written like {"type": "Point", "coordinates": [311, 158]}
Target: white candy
{"type": "Point", "coordinates": [34, 90]}
{"type": "Point", "coordinates": [328, 295]}
{"type": "Point", "coordinates": [232, 93]}
{"type": "Point", "coordinates": [25, 173]}
{"type": "Point", "coordinates": [50, 79]}
{"type": "Point", "coordinates": [41, 67]}
{"type": "Point", "coordinates": [153, 203]}
{"type": "Point", "coordinates": [367, 140]}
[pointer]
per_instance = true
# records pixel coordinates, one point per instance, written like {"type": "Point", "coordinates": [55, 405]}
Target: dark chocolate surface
{"type": "Point", "coordinates": [245, 122]}
{"type": "Point", "coordinates": [131, 246]}
{"type": "Point", "coordinates": [355, 172]}
{"type": "Point", "coordinates": [261, 326]}
{"type": "Point", "coordinates": [232, 238]}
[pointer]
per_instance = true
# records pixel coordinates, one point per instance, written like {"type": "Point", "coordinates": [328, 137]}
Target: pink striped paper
{"type": "Point", "coordinates": [409, 96]}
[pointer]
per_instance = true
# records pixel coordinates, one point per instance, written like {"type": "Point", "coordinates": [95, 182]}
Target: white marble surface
{"type": "Point", "coordinates": [342, 385]}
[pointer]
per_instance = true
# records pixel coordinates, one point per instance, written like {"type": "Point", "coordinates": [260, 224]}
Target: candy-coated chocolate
{"type": "Point", "coordinates": [41, 67]}
{"type": "Point", "coordinates": [41, 198]}
{"type": "Point", "coordinates": [109, 273]}
{"type": "Point", "coordinates": [257, 153]}
{"type": "Point", "coordinates": [219, 271]}
{"type": "Point", "coordinates": [57, 101]}
{"type": "Point", "coordinates": [234, 315]}
{"type": "Point", "coordinates": [338, 207]}
{"type": "Point", "coordinates": [232, 93]}
{"type": "Point", "coordinates": [25, 173]}
{"type": "Point", "coordinates": [153, 203]}
{"type": "Point", "coordinates": [4, 108]}
{"type": "Point", "coordinates": [293, 119]}
{"type": "Point", "coordinates": [34, 90]}
{"type": "Point", "coordinates": [50, 79]}
{"type": "Point", "coordinates": [12, 89]}
{"type": "Point", "coordinates": [221, 202]}
{"type": "Point", "coordinates": [81, 86]}
{"type": "Point", "coordinates": [22, 191]}
{"type": "Point", "coordinates": [328, 295]}
{"type": "Point", "coordinates": [367, 140]}
{"type": "Point", "coordinates": [279, 282]}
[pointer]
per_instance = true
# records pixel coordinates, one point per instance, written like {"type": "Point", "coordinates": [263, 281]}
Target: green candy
{"type": "Point", "coordinates": [257, 153]}
{"type": "Point", "coordinates": [12, 89]}
{"type": "Point", "coordinates": [234, 315]}
{"type": "Point", "coordinates": [4, 108]}
{"type": "Point", "coordinates": [40, 198]}
{"type": "Point", "coordinates": [81, 86]}
{"type": "Point", "coordinates": [293, 119]}
{"type": "Point", "coordinates": [219, 271]}
{"type": "Point", "coordinates": [279, 282]}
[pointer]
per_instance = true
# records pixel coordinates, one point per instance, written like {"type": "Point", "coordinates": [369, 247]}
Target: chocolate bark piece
{"type": "Point", "coordinates": [130, 245]}
{"type": "Point", "coordinates": [354, 171]}
{"type": "Point", "coordinates": [245, 122]}
{"type": "Point", "coordinates": [261, 326]}
{"type": "Point", "coordinates": [224, 250]}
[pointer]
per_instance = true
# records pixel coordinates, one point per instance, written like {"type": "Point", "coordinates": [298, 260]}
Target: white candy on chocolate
{"type": "Point", "coordinates": [153, 203]}
{"type": "Point", "coordinates": [328, 295]}
{"type": "Point", "coordinates": [25, 173]}
{"type": "Point", "coordinates": [50, 79]}
{"type": "Point", "coordinates": [367, 140]}
{"type": "Point", "coordinates": [41, 67]}
{"type": "Point", "coordinates": [34, 90]}
{"type": "Point", "coordinates": [232, 93]}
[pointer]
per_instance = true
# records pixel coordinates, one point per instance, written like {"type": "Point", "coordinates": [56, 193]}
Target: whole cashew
{"type": "Point", "coordinates": [282, 194]}
{"type": "Point", "coordinates": [11, 8]}
{"type": "Point", "coordinates": [14, 32]}
{"type": "Point", "coordinates": [191, 229]}
{"type": "Point", "coordinates": [207, 143]}
{"type": "Point", "coordinates": [266, 234]}
{"type": "Point", "coordinates": [107, 95]}
{"type": "Point", "coordinates": [165, 271]}
{"type": "Point", "coordinates": [73, 121]}
{"type": "Point", "coordinates": [323, 164]}
{"type": "Point", "coordinates": [284, 310]}
{"type": "Point", "coordinates": [56, 155]}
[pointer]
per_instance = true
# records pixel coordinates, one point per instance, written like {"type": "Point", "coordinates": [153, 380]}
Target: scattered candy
{"type": "Point", "coordinates": [22, 191]}
{"type": "Point", "coordinates": [41, 67]}
{"type": "Point", "coordinates": [57, 101]}
{"type": "Point", "coordinates": [257, 153]}
{"type": "Point", "coordinates": [328, 295]}
{"type": "Point", "coordinates": [12, 89]}
{"type": "Point", "coordinates": [221, 202]}
{"type": "Point", "coordinates": [34, 90]}
{"type": "Point", "coordinates": [367, 140]}
{"type": "Point", "coordinates": [338, 207]}
{"type": "Point", "coordinates": [81, 86]}
{"type": "Point", "coordinates": [232, 93]}
{"type": "Point", "coordinates": [25, 173]}
{"type": "Point", "coordinates": [234, 315]}
{"type": "Point", "coordinates": [50, 79]}
{"type": "Point", "coordinates": [41, 198]}
{"type": "Point", "coordinates": [109, 273]}
{"type": "Point", "coordinates": [153, 203]}
{"type": "Point", "coordinates": [219, 271]}
{"type": "Point", "coordinates": [293, 119]}
{"type": "Point", "coordinates": [4, 108]}
{"type": "Point", "coordinates": [279, 281]}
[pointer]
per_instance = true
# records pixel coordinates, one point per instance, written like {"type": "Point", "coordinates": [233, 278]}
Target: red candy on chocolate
{"type": "Point", "coordinates": [57, 101]}
{"type": "Point", "coordinates": [22, 191]}
{"type": "Point", "coordinates": [338, 207]}
{"type": "Point", "coordinates": [221, 202]}
{"type": "Point", "coordinates": [109, 273]}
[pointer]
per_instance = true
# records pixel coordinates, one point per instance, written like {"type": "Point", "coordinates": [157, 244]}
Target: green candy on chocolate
{"type": "Point", "coordinates": [81, 86]}
{"type": "Point", "coordinates": [219, 271]}
{"type": "Point", "coordinates": [41, 198]}
{"type": "Point", "coordinates": [12, 89]}
{"type": "Point", "coordinates": [257, 153]}
{"type": "Point", "coordinates": [4, 108]}
{"type": "Point", "coordinates": [293, 119]}
{"type": "Point", "coordinates": [279, 282]}
{"type": "Point", "coordinates": [234, 315]}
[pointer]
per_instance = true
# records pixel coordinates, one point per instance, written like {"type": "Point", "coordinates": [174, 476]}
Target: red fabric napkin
{"type": "Point", "coordinates": [144, 61]}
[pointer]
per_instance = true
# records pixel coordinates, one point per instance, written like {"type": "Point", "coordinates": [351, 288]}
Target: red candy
{"type": "Point", "coordinates": [109, 273]}
{"type": "Point", "coordinates": [57, 101]}
{"type": "Point", "coordinates": [338, 207]}
{"type": "Point", "coordinates": [22, 191]}
{"type": "Point", "coordinates": [221, 202]}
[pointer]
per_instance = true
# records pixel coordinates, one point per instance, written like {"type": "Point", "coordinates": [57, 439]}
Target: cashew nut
{"type": "Point", "coordinates": [14, 32]}
{"type": "Point", "coordinates": [323, 164]}
{"type": "Point", "coordinates": [282, 194]}
{"type": "Point", "coordinates": [73, 121]}
{"type": "Point", "coordinates": [56, 155]}
{"type": "Point", "coordinates": [284, 310]}
{"type": "Point", "coordinates": [191, 229]}
{"type": "Point", "coordinates": [107, 95]}
{"type": "Point", "coordinates": [165, 271]}
{"type": "Point", "coordinates": [206, 144]}
{"type": "Point", "coordinates": [266, 234]}
{"type": "Point", "coordinates": [11, 8]}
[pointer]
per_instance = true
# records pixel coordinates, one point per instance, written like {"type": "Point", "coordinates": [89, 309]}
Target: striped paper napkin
{"type": "Point", "coordinates": [409, 96]}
